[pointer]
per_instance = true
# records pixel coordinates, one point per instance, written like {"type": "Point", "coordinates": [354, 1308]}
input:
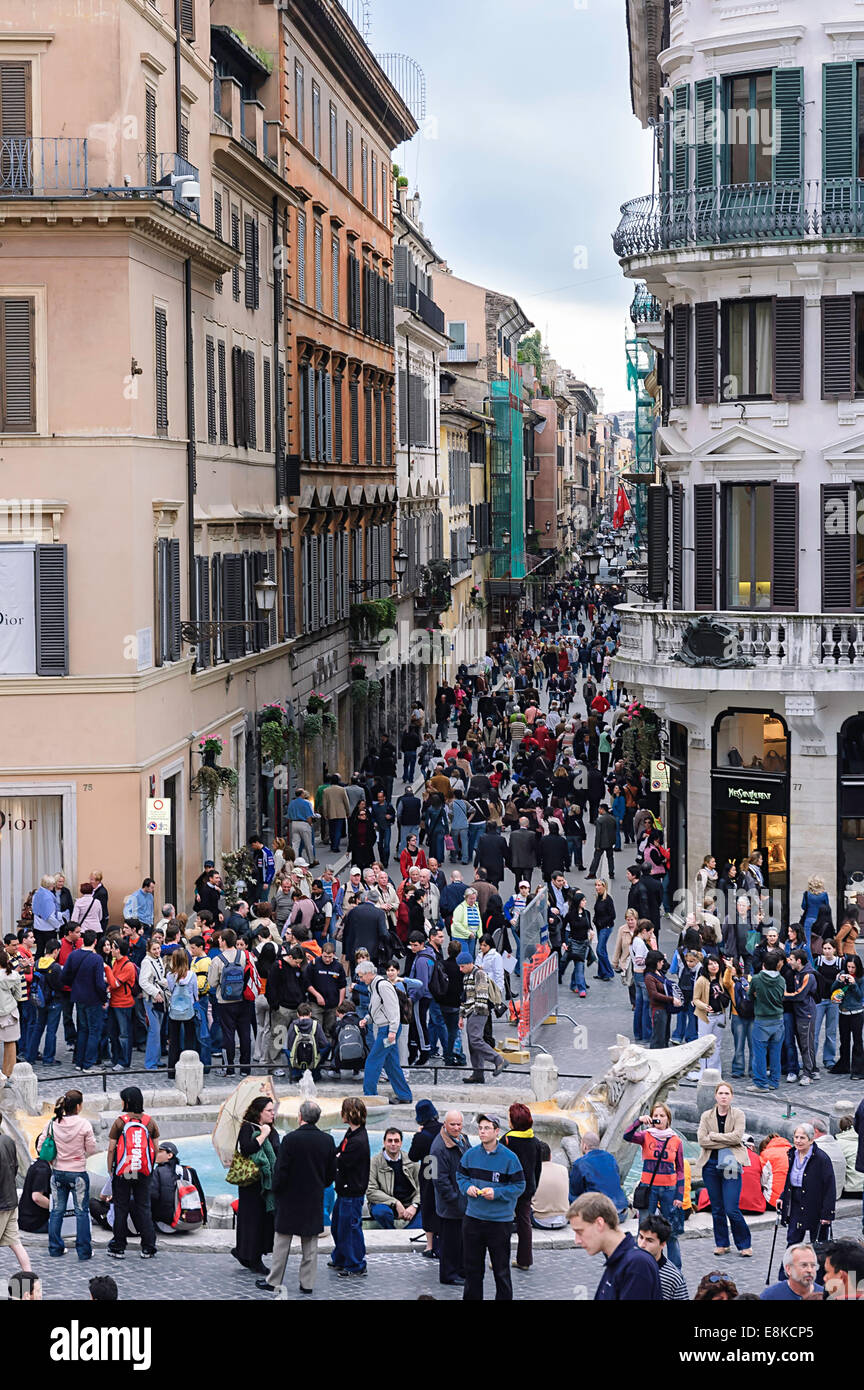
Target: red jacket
{"type": "Point", "coordinates": [752, 1197]}
{"type": "Point", "coordinates": [122, 977]}
{"type": "Point", "coordinates": [410, 861]}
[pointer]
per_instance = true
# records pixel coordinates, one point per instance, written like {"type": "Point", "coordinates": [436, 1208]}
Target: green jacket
{"type": "Point", "coordinates": [767, 990]}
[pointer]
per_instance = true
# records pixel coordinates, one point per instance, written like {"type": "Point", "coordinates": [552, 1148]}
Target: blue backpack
{"type": "Point", "coordinates": [37, 990]}
{"type": "Point", "coordinates": [182, 1005]}
{"type": "Point", "coordinates": [233, 979]}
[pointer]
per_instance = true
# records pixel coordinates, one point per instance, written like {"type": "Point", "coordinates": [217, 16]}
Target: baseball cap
{"type": "Point", "coordinates": [492, 1119]}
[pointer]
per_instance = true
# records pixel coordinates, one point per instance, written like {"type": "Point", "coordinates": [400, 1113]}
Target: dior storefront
{"type": "Point", "coordinates": [37, 831]}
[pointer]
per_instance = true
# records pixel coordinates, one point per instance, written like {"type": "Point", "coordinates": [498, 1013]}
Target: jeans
{"type": "Point", "coordinates": [725, 1194]}
{"type": "Point", "coordinates": [182, 1036]}
{"type": "Point", "coordinates": [461, 841]}
{"type": "Point", "coordinates": [61, 1186]}
{"type": "Point", "coordinates": [388, 1058]}
{"type": "Point", "coordinates": [641, 1012]}
{"type": "Point", "coordinates": [384, 833]}
{"type": "Point", "coordinates": [478, 1239]}
{"type": "Point", "coordinates": [349, 1247]}
{"type": "Point", "coordinates": [153, 1050]}
{"type": "Point", "coordinates": [742, 1033]}
{"type": "Point", "coordinates": [337, 830]}
{"type": "Point", "coordinates": [788, 1048]}
{"type": "Point", "coordinates": [404, 834]}
{"type": "Point", "coordinates": [577, 979]}
{"type": "Point", "coordinates": [475, 830]}
{"type": "Point", "coordinates": [47, 1020]}
{"type": "Point", "coordinates": [29, 1016]}
{"type": "Point", "coordinates": [436, 1028]}
{"type": "Point", "coordinates": [90, 1024]}
{"type": "Point", "coordinates": [385, 1217]}
{"type": "Point", "coordinates": [203, 1030]}
{"type": "Point", "coordinates": [686, 1025]}
{"type": "Point", "coordinates": [451, 1023]}
{"type": "Point", "coordinates": [662, 1199]}
{"type": "Point", "coordinates": [409, 762]}
{"type": "Point", "coordinates": [767, 1039]}
{"type": "Point", "coordinates": [120, 1034]}
{"type": "Point", "coordinates": [827, 1012]}
{"type": "Point", "coordinates": [435, 845]}
{"type": "Point", "coordinates": [604, 965]}
{"type": "Point", "coordinates": [574, 844]}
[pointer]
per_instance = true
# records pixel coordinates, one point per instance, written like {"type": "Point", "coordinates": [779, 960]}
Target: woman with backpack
{"type": "Point", "coordinates": [151, 978]}
{"type": "Point", "coordinates": [436, 825]}
{"type": "Point", "coordinates": [66, 1144]}
{"type": "Point", "coordinates": [181, 984]}
{"type": "Point", "coordinates": [131, 1157]}
{"type": "Point", "coordinates": [257, 1139]}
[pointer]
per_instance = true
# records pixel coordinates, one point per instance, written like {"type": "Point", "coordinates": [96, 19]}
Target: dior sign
{"type": "Point", "coordinates": [17, 611]}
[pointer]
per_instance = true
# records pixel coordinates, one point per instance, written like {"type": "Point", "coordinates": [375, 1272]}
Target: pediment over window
{"type": "Point", "coordinates": [739, 450]}
{"type": "Point", "coordinates": [846, 454]}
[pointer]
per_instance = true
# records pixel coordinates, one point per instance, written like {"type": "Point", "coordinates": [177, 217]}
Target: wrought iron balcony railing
{"type": "Point", "coordinates": [737, 213]}
{"type": "Point", "coordinates": [645, 307]}
{"type": "Point", "coordinates": [42, 168]}
{"type": "Point", "coordinates": [407, 296]}
{"type": "Point", "coordinates": [466, 352]}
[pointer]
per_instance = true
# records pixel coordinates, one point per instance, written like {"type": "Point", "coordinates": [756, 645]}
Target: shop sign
{"type": "Point", "coordinates": [763, 795]}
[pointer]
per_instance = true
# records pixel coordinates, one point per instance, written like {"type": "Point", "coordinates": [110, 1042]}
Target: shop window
{"type": "Point", "coordinates": [752, 739]}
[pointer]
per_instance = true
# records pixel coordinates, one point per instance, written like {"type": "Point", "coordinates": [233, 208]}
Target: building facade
{"type": "Point", "coordinates": [750, 645]}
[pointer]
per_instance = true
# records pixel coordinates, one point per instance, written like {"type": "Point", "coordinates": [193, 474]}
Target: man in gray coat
{"type": "Point", "coordinates": [523, 850]}
{"type": "Point", "coordinates": [605, 831]}
{"type": "Point", "coordinates": [305, 1168]}
{"type": "Point", "coordinates": [445, 1155]}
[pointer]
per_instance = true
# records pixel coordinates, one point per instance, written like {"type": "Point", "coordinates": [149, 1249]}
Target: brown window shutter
{"type": "Point", "coordinates": [788, 349]}
{"type": "Point", "coordinates": [238, 397]}
{"type": "Point", "coordinates": [677, 511]}
{"type": "Point", "coordinates": [161, 328]}
{"type": "Point", "coordinates": [658, 540]}
{"type": "Point", "coordinates": [150, 133]}
{"type": "Point", "coordinates": [784, 550]}
{"type": "Point", "coordinates": [707, 345]}
{"type": "Point", "coordinates": [210, 374]}
{"type": "Point", "coordinates": [251, 404]}
{"type": "Point", "coordinates": [187, 19]}
{"type": "Point", "coordinates": [838, 347]}
{"type": "Point", "coordinates": [838, 537]}
{"type": "Point", "coordinates": [15, 101]}
{"type": "Point", "coordinates": [681, 317]}
{"type": "Point", "coordinates": [704, 545]}
{"type": "Point", "coordinates": [267, 404]}
{"type": "Point", "coordinates": [17, 366]}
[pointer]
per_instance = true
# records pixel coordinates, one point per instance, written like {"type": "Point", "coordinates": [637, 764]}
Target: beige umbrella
{"type": "Point", "coordinates": [230, 1116]}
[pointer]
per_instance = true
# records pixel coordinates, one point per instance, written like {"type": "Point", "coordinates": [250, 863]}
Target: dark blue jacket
{"type": "Point", "coordinates": [449, 1201]}
{"type": "Point", "coordinates": [84, 973]}
{"type": "Point", "coordinates": [597, 1171]}
{"type": "Point", "coordinates": [630, 1276]}
{"type": "Point", "coordinates": [818, 1191]}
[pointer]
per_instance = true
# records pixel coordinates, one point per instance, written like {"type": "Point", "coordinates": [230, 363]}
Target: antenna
{"type": "Point", "coordinates": [360, 14]}
{"type": "Point", "coordinates": [408, 78]}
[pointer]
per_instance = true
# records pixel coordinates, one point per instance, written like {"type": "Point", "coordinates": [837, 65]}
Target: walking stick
{"type": "Point", "coordinates": [773, 1244]}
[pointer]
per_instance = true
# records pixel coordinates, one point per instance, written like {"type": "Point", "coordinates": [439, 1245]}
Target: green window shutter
{"type": "Point", "coordinates": [52, 611]}
{"type": "Point", "coordinates": [706, 132]}
{"type": "Point", "coordinates": [787, 98]}
{"type": "Point", "coordinates": [838, 347]}
{"type": "Point", "coordinates": [838, 121]}
{"type": "Point", "coordinates": [681, 139]}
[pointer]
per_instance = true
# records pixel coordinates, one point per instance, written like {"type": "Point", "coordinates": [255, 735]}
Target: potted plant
{"type": "Point", "coordinates": [210, 749]}
{"type": "Point", "coordinates": [313, 727]}
{"type": "Point", "coordinates": [375, 689]}
{"type": "Point", "coordinates": [360, 691]}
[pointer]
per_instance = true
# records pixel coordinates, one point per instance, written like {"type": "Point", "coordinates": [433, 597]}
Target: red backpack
{"type": "Point", "coordinates": [136, 1151]}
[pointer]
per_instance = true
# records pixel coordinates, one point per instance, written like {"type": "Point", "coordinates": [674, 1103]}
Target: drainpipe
{"type": "Point", "coordinates": [279, 457]}
{"type": "Point", "coordinates": [192, 599]}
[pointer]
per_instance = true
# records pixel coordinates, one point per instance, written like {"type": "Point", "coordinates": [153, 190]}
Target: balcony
{"type": "Point", "coordinates": [792, 652]}
{"type": "Point", "coordinates": [52, 167]}
{"type": "Point", "coordinates": [738, 213]}
{"type": "Point", "coordinates": [468, 352]}
{"type": "Point", "coordinates": [645, 308]}
{"type": "Point", "coordinates": [407, 296]}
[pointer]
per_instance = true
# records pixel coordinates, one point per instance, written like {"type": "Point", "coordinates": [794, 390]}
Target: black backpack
{"type": "Point", "coordinates": [439, 985]}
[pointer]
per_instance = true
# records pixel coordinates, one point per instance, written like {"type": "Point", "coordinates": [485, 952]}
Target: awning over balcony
{"type": "Point", "coordinates": [504, 588]}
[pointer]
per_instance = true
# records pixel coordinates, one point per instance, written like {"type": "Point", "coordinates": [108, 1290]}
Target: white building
{"type": "Point", "coordinates": [754, 247]}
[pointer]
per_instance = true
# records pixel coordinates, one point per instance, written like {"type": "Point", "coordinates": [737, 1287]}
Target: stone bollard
{"type": "Point", "coordinates": [25, 1087]}
{"type": "Point", "coordinates": [544, 1077]}
{"type": "Point", "coordinates": [219, 1214]}
{"type": "Point", "coordinates": [709, 1080]}
{"type": "Point", "coordinates": [189, 1077]}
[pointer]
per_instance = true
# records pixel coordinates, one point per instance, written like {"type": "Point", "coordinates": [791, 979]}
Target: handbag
{"type": "Point", "coordinates": [243, 1172]}
{"type": "Point", "coordinates": [48, 1151]}
{"type": "Point", "coordinates": [642, 1191]}
{"type": "Point", "coordinates": [449, 844]}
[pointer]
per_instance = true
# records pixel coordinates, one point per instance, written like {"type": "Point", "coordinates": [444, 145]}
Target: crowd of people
{"type": "Point", "coordinates": [413, 954]}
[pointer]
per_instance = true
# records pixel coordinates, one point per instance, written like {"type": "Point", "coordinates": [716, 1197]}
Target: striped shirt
{"type": "Point", "coordinates": [672, 1283]}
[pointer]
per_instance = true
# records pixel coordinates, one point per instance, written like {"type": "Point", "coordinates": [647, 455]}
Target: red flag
{"type": "Point", "coordinates": [622, 507]}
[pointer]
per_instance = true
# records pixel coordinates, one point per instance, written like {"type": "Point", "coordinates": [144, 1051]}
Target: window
{"type": "Point", "coordinates": [319, 268]}
{"type": "Point", "coordinates": [168, 644]}
{"type": "Point", "coordinates": [364, 174]}
{"type": "Point", "coordinates": [349, 157]}
{"type": "Point", "coordinates": [749, 115]}
{"type": "Point", "coordinates": [217, 227]}
{"type": "Point", "coordinates": [150, 134]}
{"type": "Point", "coordinates": [334, 275]}
{"type": "Point", "coordinates": [251, 256]}
{"type": "Point", "coordinates": [17, 366]}
{"type": "Point", "coordinates": [235, 242]}
{"type": "Point", "coordinates": [385, 195]}
{"type": "Point", "coordinates": [748, 354]}
{"type": "Point", "coordinates": [374, 185]}
{"type": "Point", "coordinates": [842, 547]}
{"type": "Point", "coordinates": [210, 380]}
{"type": "Point", "coordinates": [354, 404]}
{"type": "Point", "coordinates": [223, 392]}
{"type": "Point", "coordinates": [759, 739]}
{"type": "Point", "coordinates": [266, 387]}
{"type": "Point", "coordinates": [301, 257]}
{"type": "Point", "coordinates": [299, 101]}
{"type": "Point", "coordinates": [338, 386]}
{"type": "Point", "coordinates": [187, 19]}
{"type": "Point", "coordinates": [316, 120]}
{"type": "Point", "coordinates": [367, 398]}
{"type": "Point", "coordinates": [161, 373]}
{"type": "Point", "coordinates": [334, 141]}
{"type": "Point", "coordinates": [184, 138]}
{"type": "Point", "coordinates": [243, 398]}
{"type": "Point", "coordinates": [15, 106]}
{"type": "Point", "coordinates": [748, 546]}
{"type": "Point", "coordinates": [458, 333]}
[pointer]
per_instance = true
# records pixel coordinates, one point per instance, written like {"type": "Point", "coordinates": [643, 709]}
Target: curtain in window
{"type": "Point", "coordinates": [31, 844]}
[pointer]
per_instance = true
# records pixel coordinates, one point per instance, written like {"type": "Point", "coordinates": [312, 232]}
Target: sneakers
{"type": "Point", "coordinates": [791, 1076]}
{"type": "Point", "coordinates": [119, 1067]}
{"type": "Point", "coordinates": [148, 1254]}
{"type": "Point", "coordinates": [116, 1254]}
{"type": "Point", "coordinates": [352, 1273]}
{"type": "Point", "coordinates": [805, 1081]}
{"type": "Point", "coordinates": [755, 1090]}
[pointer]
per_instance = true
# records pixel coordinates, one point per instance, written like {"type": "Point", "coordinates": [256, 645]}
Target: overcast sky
{"type": "Point", "coordinates": [530, 149]}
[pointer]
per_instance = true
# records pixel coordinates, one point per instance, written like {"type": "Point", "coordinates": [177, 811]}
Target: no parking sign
{"type": "Point", "coordinates": [659, 777]}
{"type": "Point", "coordinates": [158, 816]}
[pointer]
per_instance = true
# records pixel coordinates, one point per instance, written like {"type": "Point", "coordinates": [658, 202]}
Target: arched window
{"type": "Point", "coordinates": [751, 739]}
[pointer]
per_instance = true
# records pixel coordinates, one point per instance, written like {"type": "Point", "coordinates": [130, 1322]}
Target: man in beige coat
{"type": "Point", "coordinates": [335, 808]}
{"type": "Point", "coordinates": [393, 1193]}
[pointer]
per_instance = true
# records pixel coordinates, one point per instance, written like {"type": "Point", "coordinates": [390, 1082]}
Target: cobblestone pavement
{"type": "Point", "coordinates": [557, 1276]}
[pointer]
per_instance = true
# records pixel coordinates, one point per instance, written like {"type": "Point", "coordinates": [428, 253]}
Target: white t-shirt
{"type": "Point", "coordinates": [638, 952]}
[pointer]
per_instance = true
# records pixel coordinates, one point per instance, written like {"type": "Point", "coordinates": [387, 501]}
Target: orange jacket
{"type": "Point", "coordinates": [121, 977]}
{"type": "Point", "coordinates": [777, 1154]}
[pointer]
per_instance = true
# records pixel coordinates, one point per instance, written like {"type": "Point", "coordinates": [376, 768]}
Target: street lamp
{"type": "Point", "coordinates": [548, 527]}
{"type": "Point", "coordinates": [505, 539]}
{"type": "Point", "coordinates": [473, 547]}
{"type": "Point", "coordinates": [608, 549]}
{"type": "Point", "coordinates": [591, 561]}
{"type": "Point", "coordinates": [265, 601]}
{"type": "Point", "coordinates": [400, 565]}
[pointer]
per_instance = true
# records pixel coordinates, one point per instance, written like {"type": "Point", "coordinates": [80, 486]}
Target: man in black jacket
{"type": "Point", "coordinates": [305, 1167]}
{"type": "Point", "coordinates": [445, 1156]}
{"type": "Point", "coordinates": [366, 927]}
{"type": "Point", "coordinates": [553, 851]}
{"type": "Point", "coordinates": [638, 896]}
{"type": "Point", "coordinates": [605, 832]}
{"type": "Point", "coordinates": [492, 854]}
{"type": "Point", "coordinates": [523, 850]}
{"type": "Point", "coordinates": [596, 790]}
